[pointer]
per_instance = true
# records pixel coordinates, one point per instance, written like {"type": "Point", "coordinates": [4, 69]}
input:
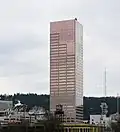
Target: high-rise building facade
{"type": "Point", "coordinates": [66, 68]}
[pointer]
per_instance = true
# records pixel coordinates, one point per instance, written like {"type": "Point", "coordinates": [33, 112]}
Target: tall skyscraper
{"type": "Point", "coordinates": [66, 68]}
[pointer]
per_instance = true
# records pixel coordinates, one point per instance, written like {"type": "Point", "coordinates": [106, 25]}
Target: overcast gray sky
{"type": "Point", "coordinates": [24, 43]}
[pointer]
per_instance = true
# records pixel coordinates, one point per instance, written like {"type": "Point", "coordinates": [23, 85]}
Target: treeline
{"type": "Point", "coordinates": [91, 104]}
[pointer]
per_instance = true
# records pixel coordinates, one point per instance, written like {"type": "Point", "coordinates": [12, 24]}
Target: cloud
{"type": "Point", "coordinates": [24, 43]}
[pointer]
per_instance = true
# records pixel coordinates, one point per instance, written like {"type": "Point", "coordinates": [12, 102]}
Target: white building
{"type": "Point", "coordinates": [98, 120]}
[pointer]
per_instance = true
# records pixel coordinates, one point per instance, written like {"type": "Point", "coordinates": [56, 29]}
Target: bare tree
{"type": "Point", "coordinates": [116, 126]}
{"type": "Point", "coordinates": [52, 123]}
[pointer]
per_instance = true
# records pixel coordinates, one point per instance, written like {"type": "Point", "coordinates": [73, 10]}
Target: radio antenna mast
{"type": "Point", "coordinates": [117, 103]}
{"type": "Point", "coordinates": [105, 87]}
{"type": "Point", "coordinates": [103, 105]}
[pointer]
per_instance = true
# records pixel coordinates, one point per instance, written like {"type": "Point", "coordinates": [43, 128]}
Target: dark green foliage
{"type": "Point", "coordinates": [91, 104]}
{"type": "Point", "coordinates": [33, 99]}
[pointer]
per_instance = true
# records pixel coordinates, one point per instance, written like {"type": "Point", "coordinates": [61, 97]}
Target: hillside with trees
{"type": "Point", "coordinates": [91, 104]}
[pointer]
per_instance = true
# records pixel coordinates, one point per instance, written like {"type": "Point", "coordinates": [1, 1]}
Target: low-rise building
{"type": "Point", "coordinates": [71, 127]}
{"type": "Point", "coordinates": [4, 105]}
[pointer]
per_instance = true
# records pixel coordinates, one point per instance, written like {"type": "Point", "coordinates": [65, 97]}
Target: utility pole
{"type": "Point", "coordinates": [103, 105]}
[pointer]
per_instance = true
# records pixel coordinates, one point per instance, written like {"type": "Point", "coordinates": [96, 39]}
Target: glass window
{"type": "Point", "coordinates": [70, 64]}
{"type": "Point", "coordinates": [62, 46]}
{"type": "Point", "coordinates": [53, 59]}
{"type": "Point", "coordinates": [53, 74]}
{"type": "Point", "coordinates": [70, 85]}
{"type": "Point", "coordinates": [60, 83]}
{"type": "Point", "coordinates": [70, 82]}
{"type": "Point", "coordinates": [52, 42]}
{"type": "Point", "coordinates": [69, 60]}
{"type": "Point", "coordinates": [53, 50]}
{"type": "Point", "coordinates": [70, 71]}
{"type": "Point", "coordinates": [61, 92]}
{"type": "Point", "coordinates": [62, 75]}
{"type": "Point", "coordinates": [62, 63]}
{"type": "Point", "coordinates": [62, 49]}
{"type": "Point", "coordinates": [54, 83]}
{"type": "Point", "coordinates": [62, 52]}
{"type": "Point", "coordinates": [62, 71]}
{"type": "Point", "coordinates": [62, 57]}
{"type": "Point", "coordinates": [62, 78]}
{"type": "Point", "coordinates": [54, 56]}
{"type": "Point", "coordinates": [54, 77]}
{"type": "Point", "coordinates": [70, 68]}
{"type": "Point", "coordinates": [54, 46]}
{"type": "Point", "coordinates": [71, 79]}
{"type": "Point", "coordinates": [80, 129]}
{"type": "Point", "coordinates": [54, 64]}
{"type": "Point", "coordinates": [54, 69]}
{"type": "Point", "coordinates": [62, 66]}
{"type": "Point", "coordinates": [71, 88]}
{"type": "Point", "coordinates": [62, 86]}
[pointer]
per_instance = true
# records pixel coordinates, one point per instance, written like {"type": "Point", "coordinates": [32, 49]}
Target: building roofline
{"type": "Point", "coordinates": [75, 19]}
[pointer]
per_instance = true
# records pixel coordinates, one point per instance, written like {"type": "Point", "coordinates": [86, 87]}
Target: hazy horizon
{"type": "Point", "coordinates": [49, 94]}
